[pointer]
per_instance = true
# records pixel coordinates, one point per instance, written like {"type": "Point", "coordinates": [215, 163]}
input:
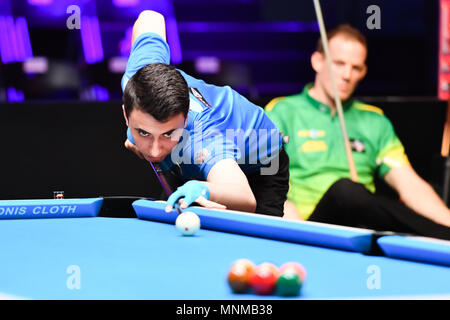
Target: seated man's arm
{"type": "Point", "coordinates": [149, 21]}
{"type": "Point", "coordinates": [290, 211]}
{"type": "Point", "coordinates": [417, 194]}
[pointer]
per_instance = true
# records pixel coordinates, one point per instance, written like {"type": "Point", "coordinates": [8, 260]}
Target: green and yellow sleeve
{"type": "Point", "coordinates": [391, 151]}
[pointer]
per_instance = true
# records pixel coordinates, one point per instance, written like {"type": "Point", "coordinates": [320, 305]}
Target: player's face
{"type": "Point", "coordinates": [154, 139]}
{"type": "Point", "coordinates": [348, 58]}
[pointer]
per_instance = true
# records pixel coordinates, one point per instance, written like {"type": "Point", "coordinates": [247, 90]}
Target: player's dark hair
{"type": "Point", "coordinates": [159, 90]}
{"type": "Point", "coordinates": [345, 30]}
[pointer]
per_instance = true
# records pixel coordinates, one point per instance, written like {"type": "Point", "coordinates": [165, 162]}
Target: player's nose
{"type": "Point", "coordinates": [156, 150]}
{"type": "Point", "coordinates": [347, 73]}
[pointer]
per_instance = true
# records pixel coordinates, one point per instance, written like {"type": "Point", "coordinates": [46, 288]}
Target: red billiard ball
{"type": "Point", "coordinates": [239, 275]}
{"type": "Point", "coordinates": [264, 278]}
{"type": "Point", "coordinates": [295, 267]}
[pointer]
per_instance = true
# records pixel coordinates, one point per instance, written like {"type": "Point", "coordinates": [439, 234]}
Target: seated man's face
{"type": "Point", "coordinates": [348, 58]}
{"type": "Point", "coordinates": [154, 139]}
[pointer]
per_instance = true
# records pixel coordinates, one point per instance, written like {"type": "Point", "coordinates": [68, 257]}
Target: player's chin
{"type": "Point", "coordinates": [345, 95]}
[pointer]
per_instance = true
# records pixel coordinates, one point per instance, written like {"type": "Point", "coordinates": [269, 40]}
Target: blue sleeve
{"type": "Point", "coordinates": [147, 48]}
{"type": "Point", "coordinates": [216, 151]}
{"type": "Point", "coordinates": [205, 151]}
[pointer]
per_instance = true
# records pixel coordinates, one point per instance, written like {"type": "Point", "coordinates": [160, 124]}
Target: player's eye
{"type": "Point", "coordinates": [143, 133]}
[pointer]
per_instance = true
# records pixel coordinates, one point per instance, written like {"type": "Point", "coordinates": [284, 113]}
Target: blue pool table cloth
{"type": "Point", "coordinates": [147, 258]}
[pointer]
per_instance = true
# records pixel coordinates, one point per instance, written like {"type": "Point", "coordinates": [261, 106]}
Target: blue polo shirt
{"type": "Point", "coordinates": [221, 124]}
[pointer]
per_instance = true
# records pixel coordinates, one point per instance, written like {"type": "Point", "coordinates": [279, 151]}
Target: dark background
{"type": "Point", "coordinates": [61, 133]}
{"type": "Point", "coordinates": [263, 47]}
{"type": "Point", "coordinates": [78, 148]}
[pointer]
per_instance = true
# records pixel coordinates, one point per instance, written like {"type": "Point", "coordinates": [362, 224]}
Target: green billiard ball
{"type": "Point", "coordinates": [289, 284]}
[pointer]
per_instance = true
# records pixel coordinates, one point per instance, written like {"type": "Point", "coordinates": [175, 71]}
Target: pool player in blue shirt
{"type": "Point", "coordinates": [227, 152]}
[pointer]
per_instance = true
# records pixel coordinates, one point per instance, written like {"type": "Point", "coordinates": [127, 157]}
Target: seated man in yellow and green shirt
{"type": "Point", "coordinates": [320, 188]}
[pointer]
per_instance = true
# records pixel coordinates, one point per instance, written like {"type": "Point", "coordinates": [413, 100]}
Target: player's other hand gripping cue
{"type": "Point", "coordinates": [192, 191]}
{"type": "Point", "coordinates": [130, 146]}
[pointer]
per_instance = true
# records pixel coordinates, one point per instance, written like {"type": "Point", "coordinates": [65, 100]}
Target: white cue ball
{"type": "Point", "coordinates": [188, 223]}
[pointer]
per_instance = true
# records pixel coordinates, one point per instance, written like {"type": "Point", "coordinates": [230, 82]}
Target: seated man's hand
{"type": "Point", "coordinates": [192, 191]}
{"type": "Point", "coordinates": [130, 146]}
{"type": "Point", "coordinates": [290, 211]}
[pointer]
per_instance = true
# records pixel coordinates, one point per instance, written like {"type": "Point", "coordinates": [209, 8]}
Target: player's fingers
{"type": "Point", "coordinates": [128, 144]}
{"type": "Point", "coordinates": [187, 201]}
{"type": "Point", "coordinates": [133, 148]}
{"type": "Point", "coordinates": [209, 204]}
{"type": "Point", "coordinates": [169, 208]}
{"type": "Point", "coordinates": [173, 199]}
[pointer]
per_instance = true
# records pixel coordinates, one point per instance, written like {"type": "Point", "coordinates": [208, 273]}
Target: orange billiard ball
{"type": "Point", "coordinates": [239, 275]}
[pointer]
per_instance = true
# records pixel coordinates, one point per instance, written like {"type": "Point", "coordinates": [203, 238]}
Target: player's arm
{"type": "Point", "coordinates": [417, 194]}
{"type": "Point", "coordinates": [149, 21]}
{"type": "Point", "coordinates": [229, 186]}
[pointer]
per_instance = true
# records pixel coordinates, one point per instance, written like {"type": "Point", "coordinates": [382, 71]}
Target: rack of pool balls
{"type": "Point", "coordinates": [266, 279]}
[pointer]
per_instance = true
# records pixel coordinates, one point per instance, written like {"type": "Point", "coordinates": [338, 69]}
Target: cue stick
{"type": "Point", "coordinates": [162, 180]}
{"type": "Point", "coordinates": [337, 100]}
{"type": "Point", "coordinates": [445, 153]}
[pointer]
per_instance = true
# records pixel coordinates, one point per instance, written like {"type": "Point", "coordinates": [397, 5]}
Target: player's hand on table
{"type": "Point", "coordinates": [192, 191]}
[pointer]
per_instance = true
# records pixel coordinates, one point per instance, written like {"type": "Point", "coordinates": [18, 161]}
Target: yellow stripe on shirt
{"type": "Point", "coordinates": [272, 103]}
{"type": "Point", "coordinates": [396, 158]}
{"type": "Point", "coordinates": [367, 107]}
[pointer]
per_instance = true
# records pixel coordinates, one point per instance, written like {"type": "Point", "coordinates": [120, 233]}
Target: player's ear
{"type": "Point", "coordinates": [317, 61]}
{"type": "Point", "coordinates": [185, 120]}
{"type": "Point", "coordinates": [125, 115]}
{"type": "Point", "coordinates": [363, 74]}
